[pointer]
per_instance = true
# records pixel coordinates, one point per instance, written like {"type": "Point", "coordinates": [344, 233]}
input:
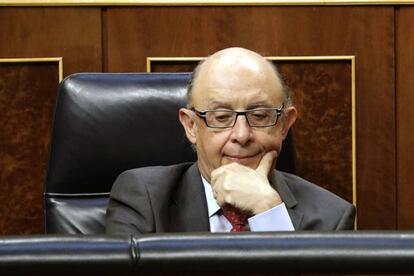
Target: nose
{"type": "Point", "coordinates": [241, 132]}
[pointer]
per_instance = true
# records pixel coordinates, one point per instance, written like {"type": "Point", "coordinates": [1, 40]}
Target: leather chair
{"type": "Point", "coordinates": [106, 123]}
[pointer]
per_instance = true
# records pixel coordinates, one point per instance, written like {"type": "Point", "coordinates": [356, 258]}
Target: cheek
{"type": "Point", "coordinates": [215, 144]}
{"type": "Point", "coordinates": [212, 143]}
{"type": "Point", "coordinates": [271, 141]}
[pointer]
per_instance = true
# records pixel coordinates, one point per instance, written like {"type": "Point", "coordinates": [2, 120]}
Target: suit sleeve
{"type": "Point", "coordinates": [347, 220]}
{"type": "Point", "coordinates": [129, 210]}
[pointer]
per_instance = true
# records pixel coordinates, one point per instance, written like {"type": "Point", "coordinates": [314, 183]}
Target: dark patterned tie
{"type": "Point", "coordinates": [237, 219]}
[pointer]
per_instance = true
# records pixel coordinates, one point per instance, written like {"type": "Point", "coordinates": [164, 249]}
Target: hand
{"type": "Point", "coordinates": [246, 188]}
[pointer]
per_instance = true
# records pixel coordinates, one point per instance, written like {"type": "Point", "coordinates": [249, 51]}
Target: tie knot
{"type": "Point", "coordinates": [236, 217]}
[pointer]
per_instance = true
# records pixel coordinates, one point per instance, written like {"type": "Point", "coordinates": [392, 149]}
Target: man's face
{"type": "Point", "coordinates": [236, 87]}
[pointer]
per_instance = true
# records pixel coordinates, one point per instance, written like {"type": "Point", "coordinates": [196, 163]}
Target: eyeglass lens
{"type": "Point", "coordinates": [224, 118]}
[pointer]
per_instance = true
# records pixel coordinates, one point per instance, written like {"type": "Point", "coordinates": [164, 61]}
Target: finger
{"type": "Point", "coordinates": [266, 163]}
{"type": "Point", "coordinates": [214, 175]}
{"type": "Point", "coordinates": [220, 200]}
{"type": "Point", "coordinates": [217, 172]}
{"type": "Point", "coordinates": [218, 193]}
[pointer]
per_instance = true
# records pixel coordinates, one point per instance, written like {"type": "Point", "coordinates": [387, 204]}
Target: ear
{"type": "Point", "coordinates": [186, 118]}
{"type": "Point", "coordinates": [290, 114]}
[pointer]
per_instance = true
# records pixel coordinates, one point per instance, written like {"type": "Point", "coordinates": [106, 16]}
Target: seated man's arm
{"type": "Point", "coordinates": [129, 210]}
{"type": "Point", "coordinates": [347, 220]}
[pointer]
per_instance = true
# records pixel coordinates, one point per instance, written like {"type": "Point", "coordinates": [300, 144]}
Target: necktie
{"type": "Point", "coordinates": [237, 219]}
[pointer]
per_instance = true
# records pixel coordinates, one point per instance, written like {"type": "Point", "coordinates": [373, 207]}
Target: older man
{"type": "Point", "coordinates": [237, 117]}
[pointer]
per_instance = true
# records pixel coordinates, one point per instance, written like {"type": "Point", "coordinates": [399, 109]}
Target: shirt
{"type": "Point", "coordinates": [275, 219]}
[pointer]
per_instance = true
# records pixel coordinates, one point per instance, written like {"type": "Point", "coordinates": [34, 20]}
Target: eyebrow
{"type": "Point", "coordinates": [260, 104]}
{"type": "Point", "coordinates": [213, 104]}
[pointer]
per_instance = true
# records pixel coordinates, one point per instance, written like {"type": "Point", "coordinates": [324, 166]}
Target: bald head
{"type": "Point", "coordinates": [236, 67]}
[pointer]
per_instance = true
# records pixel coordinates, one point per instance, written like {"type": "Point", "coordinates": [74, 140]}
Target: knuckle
{"type": "Point", "coordinates": [227, 187]}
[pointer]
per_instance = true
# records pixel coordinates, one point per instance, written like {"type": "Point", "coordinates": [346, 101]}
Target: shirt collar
{"type": "Point", "coordinates": [212, 205]}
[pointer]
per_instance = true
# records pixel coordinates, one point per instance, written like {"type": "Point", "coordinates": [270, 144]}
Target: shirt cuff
{"type": "Point", "coordinates": [275, 219]}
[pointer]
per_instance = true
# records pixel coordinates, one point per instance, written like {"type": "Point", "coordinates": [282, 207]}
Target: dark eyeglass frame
{"type": "Point", "coordinates": [203, 115]}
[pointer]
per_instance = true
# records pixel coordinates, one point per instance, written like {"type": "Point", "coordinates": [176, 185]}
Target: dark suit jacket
{"type": "Point", "coordinates": [172, 199]}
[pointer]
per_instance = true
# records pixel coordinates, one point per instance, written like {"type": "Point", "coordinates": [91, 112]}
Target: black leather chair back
{"type": "Point", "coordinates": [104, 124]}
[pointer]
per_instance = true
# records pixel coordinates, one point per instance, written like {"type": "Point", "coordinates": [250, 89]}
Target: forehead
{"type": "Point", "coordinates": [215, 97]}
{"type": "Point", "coordinates": [237, 85]}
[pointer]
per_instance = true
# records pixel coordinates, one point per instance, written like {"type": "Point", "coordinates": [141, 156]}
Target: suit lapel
{"type": "Point", "coordinates": [278, 182]}
{"type": "Point", "coordinates": [189, 212]}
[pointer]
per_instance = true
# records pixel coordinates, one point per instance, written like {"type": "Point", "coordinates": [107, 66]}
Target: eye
{"type": "Point", "coordinates": [259, 115]}
{"type": "Point", "coordinates": [222, 116]}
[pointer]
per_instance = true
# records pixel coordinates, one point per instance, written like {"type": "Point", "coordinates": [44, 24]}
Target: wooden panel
{"type": "Point", "coordinates": [405, 116]}
{"type": "Point", "coordinates": [322, 93]}
{"type": "Point", "coordinates": [28, 99]}
{"type": "Point", "coordinates": [173, 66]}
{"type": "Point", "coordinates": [367, 33]}
{"type": "Point", "coordinates": [71, 33]}
{"type": "Point", "coordinates": [27, 96]}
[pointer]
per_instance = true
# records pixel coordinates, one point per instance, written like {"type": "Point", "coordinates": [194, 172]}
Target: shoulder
{"type": "Point", "coordinates": [302, 188]}
{"type": "Point", "coordinates": [138, 195]}
{"type": "Point", "coordinates": [171, 170]}
{"type": "Point", "coordinates": [148, 176]}
{"type": "Point", "coordinates": [322, 209]}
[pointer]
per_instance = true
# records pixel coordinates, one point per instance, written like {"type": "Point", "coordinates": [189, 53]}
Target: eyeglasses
{"type": "Point", "coordinates": [222, 118]}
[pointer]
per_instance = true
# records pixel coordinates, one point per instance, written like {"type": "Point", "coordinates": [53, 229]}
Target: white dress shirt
{"type": "Point", "coordinates": [275, 219]}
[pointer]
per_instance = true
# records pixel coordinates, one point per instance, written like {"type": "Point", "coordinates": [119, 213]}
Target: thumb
{"type": "Point", "coordinates": [266, 163]}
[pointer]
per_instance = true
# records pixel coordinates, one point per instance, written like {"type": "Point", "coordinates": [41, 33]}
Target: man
{"type": "Point", "coordinates": [237, 117]}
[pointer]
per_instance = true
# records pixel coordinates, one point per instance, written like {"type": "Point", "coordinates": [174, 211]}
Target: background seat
{"type": "Point", "coordinates": [106, 123]}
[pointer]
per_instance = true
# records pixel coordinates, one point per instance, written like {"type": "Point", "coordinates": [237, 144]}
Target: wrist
{"type": "Point", "coordinates": [267, 203]}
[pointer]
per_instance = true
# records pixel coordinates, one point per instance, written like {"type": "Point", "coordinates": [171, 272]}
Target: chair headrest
{"type": "Point", "coordinates": [106, 123]}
